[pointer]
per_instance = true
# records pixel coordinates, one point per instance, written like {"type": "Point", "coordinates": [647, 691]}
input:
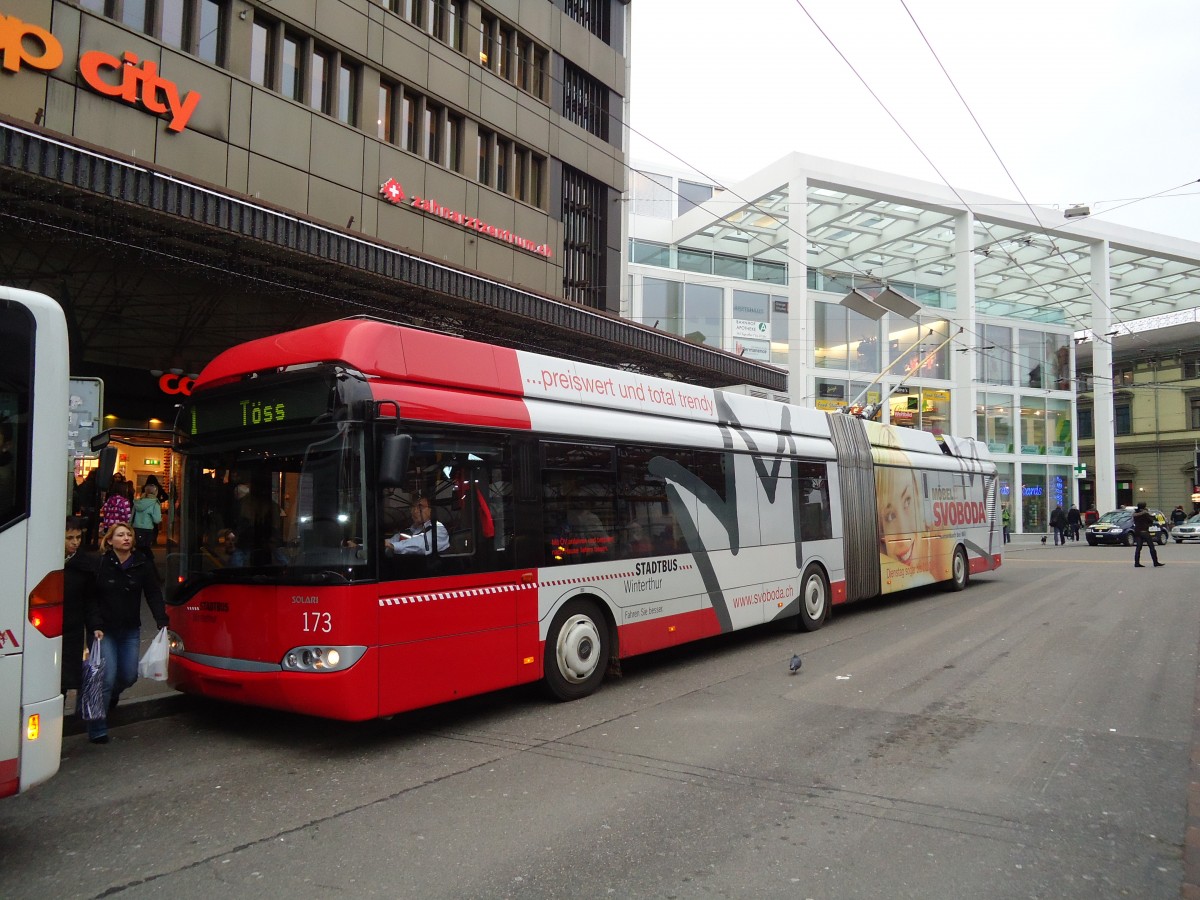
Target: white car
{"type": "Point", "coordinates": [1188, 530]}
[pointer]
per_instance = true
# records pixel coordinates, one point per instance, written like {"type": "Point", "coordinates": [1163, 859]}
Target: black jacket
{"type": "Point", "coordinates": [79, 575]}
{"type": "Point", "coordinates": [116, 597]}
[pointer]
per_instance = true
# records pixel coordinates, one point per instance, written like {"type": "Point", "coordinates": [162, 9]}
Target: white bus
{"type": "Point", "coordinates": [34, 384]}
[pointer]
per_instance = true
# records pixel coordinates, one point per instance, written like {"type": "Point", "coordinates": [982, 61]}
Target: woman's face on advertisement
{"type": "Point", "coordinates": [898, 520]}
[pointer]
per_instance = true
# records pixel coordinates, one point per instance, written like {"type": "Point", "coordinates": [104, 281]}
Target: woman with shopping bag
{"type": "Point", "coordinates": [113, 614]}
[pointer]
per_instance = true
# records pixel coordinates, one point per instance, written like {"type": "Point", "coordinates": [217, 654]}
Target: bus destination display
{"type": "Point", "coordinates": [273, 406]}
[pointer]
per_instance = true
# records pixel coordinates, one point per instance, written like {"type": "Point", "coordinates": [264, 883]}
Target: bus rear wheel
{"type": "Point", "coordinates": [814, 599]}
{"type": "Point", "coordinates": [960, 572]}
{"type": "Point", "coordinates": [576, 651]}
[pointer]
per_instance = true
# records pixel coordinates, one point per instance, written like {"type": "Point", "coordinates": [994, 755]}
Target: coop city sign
{"type": "Point", "coordinates": [127, 78]}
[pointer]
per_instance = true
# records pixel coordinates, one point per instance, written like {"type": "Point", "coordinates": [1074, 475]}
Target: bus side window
{"type": "Point", "coordinates": [813, 513]}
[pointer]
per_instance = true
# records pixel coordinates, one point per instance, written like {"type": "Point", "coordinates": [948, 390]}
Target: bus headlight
{"type": "Point", "coordinates": [321, 659]}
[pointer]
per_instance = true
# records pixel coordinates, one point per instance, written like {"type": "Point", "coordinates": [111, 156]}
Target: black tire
{"type": "Point", "coordinates": [814, 599]}
{"type": "Point", "coordinates": [1127, 540]}
{"type": "Point", "coordinates": [1179, 540]}
{"type": "Point", "coordinates": [1162, 539]}
{"type": "Point", "coordinates": [576, 655]}
{"type": "Point", "coordinates": [1091, 541]}
{"type": "Point", "coordinates": [960, 571]}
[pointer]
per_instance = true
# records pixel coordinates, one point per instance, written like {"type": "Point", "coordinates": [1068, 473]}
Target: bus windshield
{"type": "Point", "coordinates": [289, 508]}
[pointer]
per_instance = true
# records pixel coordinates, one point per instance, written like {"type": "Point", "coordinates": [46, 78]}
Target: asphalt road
{"type": "Point", "coordinates": [1029, 737]}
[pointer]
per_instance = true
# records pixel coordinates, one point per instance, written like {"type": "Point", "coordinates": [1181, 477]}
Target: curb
{"type": "Point", "coordinates": [137, 709]}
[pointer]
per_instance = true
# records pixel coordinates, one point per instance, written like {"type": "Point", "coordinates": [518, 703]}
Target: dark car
{"type": "Point", "coordinates": [1116, 527]}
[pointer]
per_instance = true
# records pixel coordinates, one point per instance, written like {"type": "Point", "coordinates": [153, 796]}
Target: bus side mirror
{"type": "Point", "coordinates": [105, 466]}
{"type": "Point", "coordinates": [393, 459]}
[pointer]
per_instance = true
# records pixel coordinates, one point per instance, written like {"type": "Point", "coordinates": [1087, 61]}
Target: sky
{"type": "Point", "coordinates": [1084, 101]}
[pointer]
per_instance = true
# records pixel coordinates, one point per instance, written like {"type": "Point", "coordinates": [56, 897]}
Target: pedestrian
{"type": "Point", "coordinates": [1142, 521]}
{"type": "Point", "coordinates": [1073, 521]}
{"type": "Point", "coordinates": [114, 617]}
{"type": "Point", "coordinates": [118, 505]}
{"type": "Point", "coordinates": [79, 570]}
{"type": "Point", "coordinates": [1058, 521]}
{"type": "Point", "coordinates": [1006, 521]}
{"type": "Point", "coordinates": [87, 505]}
{"type": "Point", "coordinates": [1178, 516]}
{"type": "Point", "coordinates": [147, 513]}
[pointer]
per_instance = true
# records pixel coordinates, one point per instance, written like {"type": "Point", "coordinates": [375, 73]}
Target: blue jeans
{"type": "Point", "coordinates": [120, 649]}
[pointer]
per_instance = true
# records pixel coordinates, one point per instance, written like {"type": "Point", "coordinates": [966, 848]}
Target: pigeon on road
{"type": "Point", "coordinates": [794, 664]}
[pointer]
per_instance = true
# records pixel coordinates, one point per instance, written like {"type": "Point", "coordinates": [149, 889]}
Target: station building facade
{"type": "Point", "coordinates": [183, 175]}
{"type": "Point", "coordinates": [948, 311]}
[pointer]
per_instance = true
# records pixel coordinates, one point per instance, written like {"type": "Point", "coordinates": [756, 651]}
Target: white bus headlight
{"type": "Point", "coordinates": [321, 658]}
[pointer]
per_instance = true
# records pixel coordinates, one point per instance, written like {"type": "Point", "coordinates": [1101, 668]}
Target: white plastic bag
{"type": "Point", "coordinates": [153, 664]}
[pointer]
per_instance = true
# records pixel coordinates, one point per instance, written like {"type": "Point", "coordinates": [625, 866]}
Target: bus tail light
{"type": "Point", "coordinates": [33, 728]}
{"type": "Point", "coordinates": [46, 605]}
{"type": "Point", "coordinates": [321, 659]}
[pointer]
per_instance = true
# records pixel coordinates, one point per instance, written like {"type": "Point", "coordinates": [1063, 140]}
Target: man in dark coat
{"type": "Point", "coordinates": [1142, 521]}
{"type": "Point", "coordinates": [79, 571]}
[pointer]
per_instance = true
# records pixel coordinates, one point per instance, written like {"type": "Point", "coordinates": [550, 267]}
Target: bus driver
{"type": "Point", "coordinates": [424, 534]}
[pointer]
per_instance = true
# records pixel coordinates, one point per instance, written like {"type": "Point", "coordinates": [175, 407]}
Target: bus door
{"type": "Point", "coordinates": [450, 601]}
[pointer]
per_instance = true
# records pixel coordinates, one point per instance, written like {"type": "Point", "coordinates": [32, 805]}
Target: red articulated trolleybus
{"type": "Point", "coordinates": [373, 518]}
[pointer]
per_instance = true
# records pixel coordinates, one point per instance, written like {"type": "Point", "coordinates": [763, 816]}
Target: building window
{"type": "Point", "coordinates": [454, 132]}
{"type": "Point", "coordinates": [703, 314]}
{"type": "Point", "coordinates": [262, 54]}
{"type": "Point", "coordinates": [769, 272]}
{"type": "Point", "coordinates": [585, 101]}
{"type": "Point", "coordinates": [386, 124]}
{"type": "Point", "coordinates": [729, 266]}
{"type": "Point", "coordinates": [1122, 375]}
{"type": "Point", "coordinates": [305, 71]}
{"type": "Point", "coordinates": [662, 304]}
{"type": "Point", "coordinates": [319, 92]}
{"type": "Point", "coordinates": [585, 229]}
{"type": "Point", "coordinates": [347, 91]}
{"type": "Point", "coordinates": [537, 181]}
{"type": "Point", "coordinates": [1194, 413]}
{"type": "Point", "coordinates": [194, 26]}
{"type": "Point", "coordinates": [1086, 429]}
{"type": "Point", "coordinates": [412, 105]}
{"type": "Point", "coordinates": [291, 85]}
{"type": "Point", "coordinates": [594, 15]}
{"type": "Point", "coordinates": [1122, 418]}
{"type": "Point", "coordinates": [485, 156]}
{"type": "Point", "coordinates": [513, 56]}
{"type": "Point", "coordinates": [779, 330]}
{"type": "Point", "coordinates": [690, 260]}
{"type": "Point", "coordinates": [996, 354]}
{"type": "Point", "coordinates": [692, 195]}
{"type": "Point", "coordinates": [503, 164]}
{"type": "Point", "coordinates": [649, 253]}
{"type": "Point", "coordinates": [433, 133]}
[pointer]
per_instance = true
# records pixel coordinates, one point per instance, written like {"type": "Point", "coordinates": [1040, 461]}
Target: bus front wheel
{"type": "Point", "coordinates": [576, 650]}
{"type": "Point", "coordinates": [814, 599]}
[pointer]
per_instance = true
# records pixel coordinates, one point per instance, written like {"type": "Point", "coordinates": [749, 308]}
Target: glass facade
{"type": "Point", "coordinates": [702, 314]}
{"type": "Point", "coordinates": [1034, 512]}
{"type": "Point", "coordinates": [1058, 428]}
{"type": "Point", "coordinates": [845, 339]}
{"type": "Point", "coordinates": [996, 355]}
{"type": "Point", "coordinates": [914, 346]}
{"type": "Point", "coordinates": [994, 422]}
{"type": "Point", "coordinates": [662, 304]}
{"type": "Point", "coordinates": [1033, 425]}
